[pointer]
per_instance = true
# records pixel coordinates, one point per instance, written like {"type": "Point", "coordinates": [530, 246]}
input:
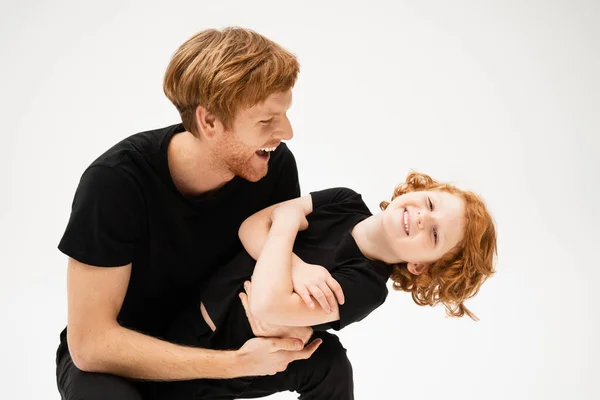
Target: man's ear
{"type": "Point", "coordinates": [209, 126]}
{"type": "Point", "coordinates": [417, 268]}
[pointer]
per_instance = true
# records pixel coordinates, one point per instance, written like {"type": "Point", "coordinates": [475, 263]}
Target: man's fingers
{"type": "Point", "coordinates": [248, 289]}
{"type": "Point", "coordinates": [246, 303]}
{"type": "Point", "coordinates": [305, 295]}
{"type": "Point", "coordinates": [244, 300]}
{"type": "Point", "coordinates": [337, 289]}
{"type": "Point", "coordinates": [286, 344]}
{"type": "Point", "coordinates": [308, 350]}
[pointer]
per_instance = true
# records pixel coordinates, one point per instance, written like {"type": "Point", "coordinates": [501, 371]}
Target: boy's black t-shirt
{"type": "Point", "coordinates": [126, 209]}
{"type": "Point", "coordinates": [327, 242]}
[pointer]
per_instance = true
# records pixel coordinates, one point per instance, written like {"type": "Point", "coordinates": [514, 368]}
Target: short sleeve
{"type": "Point", "coordinates": [364, 290]}
{"type": "Point", "coordinates": [106, 219]}
{"type": "Point", "coordinates": [336, 195]}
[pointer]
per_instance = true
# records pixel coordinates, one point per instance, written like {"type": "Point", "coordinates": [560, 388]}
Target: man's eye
{"type": "Point", "coordinates": [266, 122]}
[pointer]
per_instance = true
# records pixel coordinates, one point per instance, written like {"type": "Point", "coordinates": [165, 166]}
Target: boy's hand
{"type": "Point", "coordinates": [314, 281]}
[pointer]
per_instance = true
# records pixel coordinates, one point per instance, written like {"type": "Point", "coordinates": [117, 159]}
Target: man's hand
{"type": "Point", "coordinates": [314, 280]}
{"type": "Point", "coordinates": [268, 356]}
{"type": "Point", "coordinates": [262, 329]}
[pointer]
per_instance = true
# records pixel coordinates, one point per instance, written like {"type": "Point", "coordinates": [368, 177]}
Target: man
{"type": "Point", "coordinates": [157, 213]}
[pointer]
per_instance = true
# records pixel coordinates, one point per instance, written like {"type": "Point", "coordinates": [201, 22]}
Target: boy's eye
{"type": "Point", "coordinates": [435, 236]}
{"type": "Point", "coordinates": [430, 204]}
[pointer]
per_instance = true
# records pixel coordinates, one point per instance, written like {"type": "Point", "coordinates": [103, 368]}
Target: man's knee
{"type": "Point", "coordinates": [74, 384]}
{"type": "Point", "coordinates": [327, 374]}
{"type": "Point", "coordinates": [331, 357]}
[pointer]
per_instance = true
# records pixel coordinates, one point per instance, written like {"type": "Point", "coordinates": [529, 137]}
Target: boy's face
{"type": "Point", "coordinates": [255, 132]}
{"type": "Point", "coordinates": [423, 226]}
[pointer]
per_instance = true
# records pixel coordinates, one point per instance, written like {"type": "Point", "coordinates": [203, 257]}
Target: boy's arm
{"type": "Point", "coordinates": [254, 230]}
{"type": "Point", "coordinates": [270, 296]}
{"type": "Point", "coordinates": [308, 280]}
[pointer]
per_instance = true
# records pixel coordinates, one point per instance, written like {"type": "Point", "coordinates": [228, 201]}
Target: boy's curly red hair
{"type": "Point", "coordinates": [460, 273]}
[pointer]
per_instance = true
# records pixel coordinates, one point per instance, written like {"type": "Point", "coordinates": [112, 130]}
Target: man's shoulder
{"type": "Point", "coordinates": [130, 150]}
{"type": "Point", "coordinates": [129, 166]}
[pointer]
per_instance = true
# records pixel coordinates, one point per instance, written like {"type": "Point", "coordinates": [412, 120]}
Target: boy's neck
{"type": "Point", "coordinates": [370, 237]}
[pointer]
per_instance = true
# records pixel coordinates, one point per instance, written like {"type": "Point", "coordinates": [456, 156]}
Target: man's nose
{"type": "Point", "coordinates": [286, 132]}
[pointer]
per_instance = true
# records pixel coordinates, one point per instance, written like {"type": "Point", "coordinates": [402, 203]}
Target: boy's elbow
{"type": "Point", "coordinates": [258, 309]}
{"type": "Point", "coordinates": [264, 310]}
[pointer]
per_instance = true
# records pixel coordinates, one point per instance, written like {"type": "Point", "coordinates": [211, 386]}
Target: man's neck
{"type": "Point", "coordinates": [192, 166]}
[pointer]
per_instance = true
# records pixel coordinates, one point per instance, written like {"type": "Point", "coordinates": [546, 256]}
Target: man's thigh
{"type": "Point", "coordinates": [74, 384]}
{"type": "Point", "coordinates": [327, 374]}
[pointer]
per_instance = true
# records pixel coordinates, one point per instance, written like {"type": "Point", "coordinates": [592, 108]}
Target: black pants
{"type": "Point", "coordinates": [327, 374]}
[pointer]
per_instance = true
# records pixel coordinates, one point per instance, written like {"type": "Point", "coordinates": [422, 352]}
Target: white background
{"type": "Point", "coordinates": [498, 97]}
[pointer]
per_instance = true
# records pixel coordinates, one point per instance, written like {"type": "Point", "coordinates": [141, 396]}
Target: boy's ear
{"type": "Point", "coordinates": [417, 268]}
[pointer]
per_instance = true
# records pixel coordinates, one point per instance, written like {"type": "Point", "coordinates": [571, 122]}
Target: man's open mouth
{"type": "Point", "coordinates": [265, 151]}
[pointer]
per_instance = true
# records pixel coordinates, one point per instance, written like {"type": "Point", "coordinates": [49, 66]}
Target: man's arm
{"type": "Point", "coordinates": [99, 344]}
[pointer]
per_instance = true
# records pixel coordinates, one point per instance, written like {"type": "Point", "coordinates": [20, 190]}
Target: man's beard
{"type": "Point", "coordinates": [238, 160]}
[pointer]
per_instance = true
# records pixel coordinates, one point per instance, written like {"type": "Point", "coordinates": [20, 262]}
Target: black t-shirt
{"type": "Point", "coordinates": [127, 210]}
{"type": "Point", "coordinates": [327, 242]}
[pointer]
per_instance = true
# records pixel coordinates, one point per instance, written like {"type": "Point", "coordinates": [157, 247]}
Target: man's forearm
{"type": "Point", "coordinates": [127, 353]}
